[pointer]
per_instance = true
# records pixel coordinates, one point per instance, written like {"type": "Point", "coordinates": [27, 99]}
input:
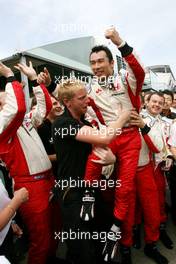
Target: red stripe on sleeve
{"type": "Point", "coordinates": [13, 126]}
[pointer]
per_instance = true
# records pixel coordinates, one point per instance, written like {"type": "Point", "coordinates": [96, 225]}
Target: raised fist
{"type": "Point", "coordinates": [113, 35]}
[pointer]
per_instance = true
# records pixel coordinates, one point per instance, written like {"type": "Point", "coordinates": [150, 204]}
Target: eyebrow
{"type": "Point", "coordinates": [98, 59]}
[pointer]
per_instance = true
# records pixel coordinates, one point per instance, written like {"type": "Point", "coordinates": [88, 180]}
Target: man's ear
{"type": "Point", "coordinates": [112, 64]}
{"type": "Point", "coordinates": [66, 102]}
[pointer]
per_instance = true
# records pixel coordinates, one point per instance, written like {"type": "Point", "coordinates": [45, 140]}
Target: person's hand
{"type": "Point", "coordinates": [17, 230]}
{"type": "Point", "coordinates": [44, 77]}
{"type": "Point", "coordinates": [54, 194]}
{"type": "Point", "coordinates": [105, 154]}
{"type": "Point", "coordinates": [113, 35]}
{"type": "Point", "coordinates": [111, 248]}
{"type": "Point", "coordinates": [5, 71]}
{"type": "Point", "coordinates": [167, 164]}
{"type": "Point", "coordinates": [136, 120]}
{"type": "Point", "coordinates": [27, 70]}
{"type": "Point", "coordinates": [125, 116]}
{"type": "Point", "coordinates": [21, 195]}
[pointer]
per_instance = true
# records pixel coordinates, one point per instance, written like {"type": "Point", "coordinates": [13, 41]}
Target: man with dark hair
{"type": "Point", "coordinates": [112, 95]}
{"type": "Point", "coordinates": [99, 48]}
{"type": "Point", "coordinates": [169, 97]}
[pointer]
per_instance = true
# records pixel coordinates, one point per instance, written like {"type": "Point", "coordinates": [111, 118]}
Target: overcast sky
{"type": "Point", "coordinates": [149, 26]}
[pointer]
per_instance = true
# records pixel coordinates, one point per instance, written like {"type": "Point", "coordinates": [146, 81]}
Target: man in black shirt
{"type": "Point", "coordinates": [73, 138]}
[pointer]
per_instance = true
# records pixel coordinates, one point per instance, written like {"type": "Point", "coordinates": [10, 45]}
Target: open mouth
{"type": "Point", "coordinates": [99, 73]}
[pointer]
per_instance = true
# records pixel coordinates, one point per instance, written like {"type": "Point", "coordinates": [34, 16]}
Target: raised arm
{"type": "Point", "coordinates": [44, 104]}
{"type": "Point", "coordinates": [135, 73]}
{"type": "Point", "coordinates": [12, 106]}
{"type": "Point", "coordinates": [105, 135]}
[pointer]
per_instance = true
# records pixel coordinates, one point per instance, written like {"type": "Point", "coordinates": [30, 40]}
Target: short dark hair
{"type": "Point", "coordinates": [168, 92]}
{"type": "Point", "coordinates": [155, 93]}
{"type": "Point", "coordinates": [99, 48]}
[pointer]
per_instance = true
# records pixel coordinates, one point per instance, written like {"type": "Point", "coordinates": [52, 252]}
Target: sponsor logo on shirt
{"type": "Point", "coordinates": [98, 91]}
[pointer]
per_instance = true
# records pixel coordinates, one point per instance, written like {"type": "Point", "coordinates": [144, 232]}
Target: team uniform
{"type": "Point", "coordinates": [111, 100]}
{"type": "Point", "coordinates": [159, 158]}
{"type": "Point", "coordinates": [152, 142]}
{"type": "Point", "coordinates": [24, 155]}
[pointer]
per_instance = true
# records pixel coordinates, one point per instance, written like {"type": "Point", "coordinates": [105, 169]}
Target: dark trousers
{"type": "Point", "coordinates": [82, 248]}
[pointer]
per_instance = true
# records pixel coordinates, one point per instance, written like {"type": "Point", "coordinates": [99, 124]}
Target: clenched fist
{"type": "Point", "coordinates": [113, 35]}
{"type": "Point", "coordinates": [22, 195]}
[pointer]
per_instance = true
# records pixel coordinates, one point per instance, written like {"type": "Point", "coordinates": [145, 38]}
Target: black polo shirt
{"type": "Point", "coordinates": [71, 153]}
{"type": "Point", "coordinates": [45, 134]}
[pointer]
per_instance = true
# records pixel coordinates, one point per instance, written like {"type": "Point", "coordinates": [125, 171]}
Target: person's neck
{"type": "Point", "coordinates": [75, 115]}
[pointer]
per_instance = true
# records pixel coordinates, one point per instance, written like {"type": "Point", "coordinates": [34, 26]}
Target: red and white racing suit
{"type": "Point", "coordinates": [164, 127]}
{"type": "Point", "coordinates": [146, 188]}
{"type": "Point", "coordinates": [111, 102]}
{"type": "Point", "coordinates": [24, 155]}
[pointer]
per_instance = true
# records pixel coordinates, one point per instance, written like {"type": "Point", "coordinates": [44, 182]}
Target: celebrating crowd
{"type": "Point", "coordinates": [76, 137]}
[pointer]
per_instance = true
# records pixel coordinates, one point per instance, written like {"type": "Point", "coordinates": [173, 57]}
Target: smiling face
{"type": "Point", "coordinates": [168, 101]}
{"type": "Point", "coordinates": [57, 108]}
{"type": "Point", "coordinates": [155, 104]}
{"type": "Point", "coordinates": [101, 65]}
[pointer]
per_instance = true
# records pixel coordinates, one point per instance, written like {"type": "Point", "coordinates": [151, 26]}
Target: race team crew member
{"type": "Point", "coordinates": [26, 159]}
{"type": "Point", "coordinates": [162, 160]}
{"type": "Point", "coordinates": [146, 188]}
{"type": "Point", "coordinates": [73, 138]}
{"type": "Point", "coordinates": [113, 97]}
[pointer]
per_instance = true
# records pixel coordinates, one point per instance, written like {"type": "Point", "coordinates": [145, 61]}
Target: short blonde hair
{"type": "Point", "coordinates": [67, 89]}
